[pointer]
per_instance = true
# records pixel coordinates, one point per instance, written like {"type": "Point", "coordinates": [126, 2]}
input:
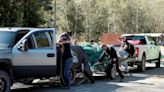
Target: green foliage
{"type": "Point", "coordinates": [20, 13]}
{"type": "Point", "coordinates": [31, 17]}
{"type": "Point", "coordinates": [85, 18]}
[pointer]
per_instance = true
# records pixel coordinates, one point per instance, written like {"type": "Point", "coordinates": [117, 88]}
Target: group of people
{"type": "Point", "coordinates": [108, 52]}
{"type": "Point", "coordinates": [126, 49]}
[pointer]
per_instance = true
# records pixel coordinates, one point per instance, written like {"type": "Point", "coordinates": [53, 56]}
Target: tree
{"type": "Point", "coordinates": [20, 13]}
{"type": "Point", "coordinates": [31, 16]}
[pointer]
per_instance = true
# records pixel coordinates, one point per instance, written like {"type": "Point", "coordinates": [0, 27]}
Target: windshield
{"type": "Point", "coordinates": [6, 39]}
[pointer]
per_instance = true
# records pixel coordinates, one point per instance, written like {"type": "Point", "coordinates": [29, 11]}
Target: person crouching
{"type": "Point", "coordinates": [111, 55]}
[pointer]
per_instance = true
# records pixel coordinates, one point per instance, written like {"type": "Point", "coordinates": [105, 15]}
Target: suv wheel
{"type": "Point", "coordinates": [159, 61]}
{"type": "Point", "coordinates": [5, 82]}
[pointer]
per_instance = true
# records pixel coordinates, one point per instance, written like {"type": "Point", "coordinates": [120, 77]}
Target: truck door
{"type": "Point", "coordinates": [153, 48]}
{"type": "Point", "coordinates": [40, 59]}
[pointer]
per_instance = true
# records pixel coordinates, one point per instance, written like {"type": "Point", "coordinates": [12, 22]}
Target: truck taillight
{"type": "Point", "coordinates": [137, 52]}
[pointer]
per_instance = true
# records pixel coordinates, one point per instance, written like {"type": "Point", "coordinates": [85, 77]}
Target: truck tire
{"type": "Point", "coordinates": [157, 64]}
{"type": "Point", "coordinates": [5, 82]}
{"type": "Point", "coordinates": [142, 65]}
{"type": "Point", "coordinates": [113, 72]}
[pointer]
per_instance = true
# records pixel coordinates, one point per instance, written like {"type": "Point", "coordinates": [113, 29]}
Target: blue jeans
{"type": "Point", "coordinates": [68, 63]}
{"type": "Point", "coordinates": [125, 64]}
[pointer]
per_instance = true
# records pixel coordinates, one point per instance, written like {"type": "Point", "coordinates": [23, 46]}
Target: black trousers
{"type": "Point", "coordinates": [109, 68]}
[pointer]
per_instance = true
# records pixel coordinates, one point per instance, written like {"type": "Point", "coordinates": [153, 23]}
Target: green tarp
{"type": "Point", "coordinates": [92, 52]}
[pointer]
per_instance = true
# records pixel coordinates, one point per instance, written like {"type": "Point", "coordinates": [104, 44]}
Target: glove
{"type": "Point", "coordinates": [114, 60]}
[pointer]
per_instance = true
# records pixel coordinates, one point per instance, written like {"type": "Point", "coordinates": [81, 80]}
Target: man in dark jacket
{"type": "Point", "coordinates": [111, 55]}
{"type": "Point", "coordinates": [67, 59]}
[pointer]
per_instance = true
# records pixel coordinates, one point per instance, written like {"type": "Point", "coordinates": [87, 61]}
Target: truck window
{"type": "Point", "coordinates": [19, 35]}
{"type": "Point", "coordinates": [6, 39]}
{"type": "Point", "coordinates": [41, 40]}
{"type": "Point", "coordinates": [50, 38]}
{"type": "Point", "coordinates": [159, 40]}
{"type": "Point", "coordinates": [152, 41]}
{"type": "Point", "coordinates": [136, 39]}
{"type": "Point", "coordinates": [31, 43]}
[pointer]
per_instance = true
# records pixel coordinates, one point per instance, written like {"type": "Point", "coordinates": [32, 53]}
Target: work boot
{"type": "Point", "coordinates": [121, 80]}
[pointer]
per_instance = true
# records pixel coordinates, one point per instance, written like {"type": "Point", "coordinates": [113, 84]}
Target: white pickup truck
{"type": "Point", "coordinates": [146, 50]}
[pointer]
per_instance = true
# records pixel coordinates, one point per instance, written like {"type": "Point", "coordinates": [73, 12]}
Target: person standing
{"type": "Point", "coordinates": [67, 59]}
{"type": "Point", "coordinates": [111, 55]}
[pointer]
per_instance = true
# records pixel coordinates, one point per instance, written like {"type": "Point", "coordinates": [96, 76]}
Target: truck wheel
{"type": "Point", "coordinates": [113, 72]}
{"type": "Point", "coordinates": [5, 82]}
{"type": "Point", "coordinates": [142, 65]}
{"type": "Point", "coordinates": [159, 61]}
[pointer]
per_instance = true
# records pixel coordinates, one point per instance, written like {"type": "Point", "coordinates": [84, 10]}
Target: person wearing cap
{"type": "Point", "coordinates": [111, 55]}
{"type": "Point", "coordinates": [66, 35]}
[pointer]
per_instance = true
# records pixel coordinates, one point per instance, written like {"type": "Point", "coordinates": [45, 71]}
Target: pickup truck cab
{"type": "Point", "coordinates": [26, 53]}
{"type": "Point", "coordinates": [159, 39]}
{"type": "Point", "coordinates": [146, 50]}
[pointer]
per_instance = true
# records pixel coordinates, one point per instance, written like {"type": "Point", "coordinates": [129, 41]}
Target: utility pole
{"type": "Point", "coordinates": [87, 20]}
{"type": "Point", "coordinates": [55, 14]}
{"type": "Point", "coordinates": [114, 28]}
{"type": "Point", "coordinates": [137, 19]}
{"type": "Point", "coordinates": [65, 14]}
{"type": "Point", "coordinates": [76, 18]}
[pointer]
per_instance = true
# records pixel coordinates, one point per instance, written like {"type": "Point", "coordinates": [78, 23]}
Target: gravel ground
{"type": "Point", "coordinates": [150, 81]}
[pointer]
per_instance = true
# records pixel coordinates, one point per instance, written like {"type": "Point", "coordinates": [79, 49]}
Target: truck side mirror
{"type": "Point", "coordinates": [24, 45]}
